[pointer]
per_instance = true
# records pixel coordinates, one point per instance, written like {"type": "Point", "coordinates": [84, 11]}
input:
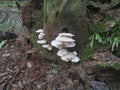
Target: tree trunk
{"type": "Point", "coordinates": [69, 14]}
{"type": "Point", "coordinates": [64, 14]}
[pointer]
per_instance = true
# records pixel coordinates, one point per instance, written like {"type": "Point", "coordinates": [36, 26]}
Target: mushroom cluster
{"type": "Point", "coordinates": [42, 41]}
{"type": "Point", "coordinates": [63, 41]}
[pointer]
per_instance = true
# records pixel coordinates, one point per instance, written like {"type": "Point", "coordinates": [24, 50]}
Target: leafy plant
{"type": "Point", "coordinates": [115, 66]}
{"type": "Point", "coordinates": [3, 43]}
{"type": "Point", "coordinates": [112, 40]}
{"type": "Point", "coordinates": [54, 71]}
{"type": "Point", "coordinates": [95, 37]}
{"type": "Point", "coordinates": [115, 43]}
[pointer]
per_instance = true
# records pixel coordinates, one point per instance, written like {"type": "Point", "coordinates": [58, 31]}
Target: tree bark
{"type": "Point", "coordinates": [59, 15]}
{"type": "Point", "coordinates": [68, 14]}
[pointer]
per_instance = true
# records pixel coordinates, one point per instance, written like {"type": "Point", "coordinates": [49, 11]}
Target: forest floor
{"type": "Point", "coordinates": [23, 68]}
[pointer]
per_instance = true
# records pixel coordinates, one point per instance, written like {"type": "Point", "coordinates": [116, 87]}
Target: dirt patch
{"type": "Point", "coordinates": [20, 66]}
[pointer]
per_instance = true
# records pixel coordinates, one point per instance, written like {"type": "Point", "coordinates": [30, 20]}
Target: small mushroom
{"type": "Point", "coordinates": [64, 39]}
{"type": "Point", "coordinates": [40, 31]}
{"type": "Point", "coordinates": [57, 44]}
{"type": "Point", "coordinates": [62, 52]}
{"type": "Point", "coordinates": [75, 53]}
{"type": "Point", "coordinates": [47, 46]}
{"type": "Point", "coordinates": [41, 35]}
{"type": "Point", "coordinates": [75, 59]}
{"type": "Point", "coordinates": [64, 58]}
{"type": "Point", "coordinates": [42, 41]}
{"type": "Point", "coordinates": [66, 34]}
{"type": "Point", "coordinates": [67, 57]}
{"type": "Point", "coordinates": [69, 44]}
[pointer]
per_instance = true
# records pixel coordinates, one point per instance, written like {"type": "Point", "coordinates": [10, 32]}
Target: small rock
{"type": "Point", "coordinates": [29, 65]}
{"type": "Point", "coordinates": [6, 55]}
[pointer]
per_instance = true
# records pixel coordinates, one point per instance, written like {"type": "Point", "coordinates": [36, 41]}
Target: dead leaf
{"type": "Point", "coordinates": [29, 65]}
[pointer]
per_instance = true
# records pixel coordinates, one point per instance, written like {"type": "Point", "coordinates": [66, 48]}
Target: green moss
{"type": "Point", "coordinates": [49, 55]}
{"type": "Point", "coordinates": [103, 65]}
{"type": "Point", "coordinates": [115, 66]}
{"type": "Point", "coordinates": [88, 52]}
{"type": "Point", "coordinates": [8, 4]}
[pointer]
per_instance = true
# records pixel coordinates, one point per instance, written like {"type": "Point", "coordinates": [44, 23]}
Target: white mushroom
{"type": "Point", "coordinates": [66, 34]}
{"type": "Point", "coordinates": [64, 58]}
{"type": "Point", "coordinates": [64, 39]}
{"type": "Point", "coordinates": [69, 44]}
{"type": "Point", "coordinates": [62, 52]}
{"type": "Point", "coordinates": [42, 41]}
{"type": "Point", "coordinates": [47, 46]}
{"type": "Point", "coordinates": [41, 35]}
{"type": "Point", "coordinates": [57, 44]}
{"type": "Point", "coordinates": [75, 53]}
{"type": "Point", "coordinates": [75, 59]}
{"type": "Point", "coordinates": [40, 31]}
{"type": "Point", "coordinates": [67, 57]}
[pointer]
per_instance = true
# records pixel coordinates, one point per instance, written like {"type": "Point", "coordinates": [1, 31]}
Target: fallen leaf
{"type": "Point", "coordinates": [3, 43]}
{"type": "Point", "coordinates": [29, 65]}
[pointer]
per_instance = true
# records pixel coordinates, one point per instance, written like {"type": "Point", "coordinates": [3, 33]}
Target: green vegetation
{"type": "Point", "coordinates": [8, 4]}
{"type": "Point", "coordinates": [88, 52]}
{"type": "Point", "coordinates": [110, 38]}
{"type": "Point", "coordinates": [115, 66]}
{"type": "Point", "coordinates": [99, 37]}
{"type": "Point", "coordinates": [3, 43]}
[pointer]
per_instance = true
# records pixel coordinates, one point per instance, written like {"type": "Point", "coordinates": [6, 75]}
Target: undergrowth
{"type": "Point", "coordinates": [110, 38]}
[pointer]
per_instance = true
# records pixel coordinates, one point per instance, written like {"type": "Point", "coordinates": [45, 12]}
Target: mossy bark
{"type": "Point", "coordinates": [60, 14]}
{"type": "Point", "coordinates": [69, 14]}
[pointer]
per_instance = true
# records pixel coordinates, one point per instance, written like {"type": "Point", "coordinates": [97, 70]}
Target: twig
{"type": "Point", "coordinates": [3, 74]}
{"type": "Point", "coordinates": [12, 80]}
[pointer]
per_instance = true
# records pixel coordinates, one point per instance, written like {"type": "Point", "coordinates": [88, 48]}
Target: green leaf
{"type": "Point", "coordinates": [116, 66]}
{"type": "Point", "coordinates": [3, 43]}
{"type": "Point", "coordinates": [92, 42]}
{"type": "Point", "coordinates": [53, 65]}
{"type": "Point", "coordinates": [99, 38]}
{"type": "Point", "coordinates": [91, 37]}
{"type": "Point", "coordinates": [103, 65]}
{"type": "Point", "coordinates": [113, 45]}
{"type": "Point", "coordinates": [54, 71]}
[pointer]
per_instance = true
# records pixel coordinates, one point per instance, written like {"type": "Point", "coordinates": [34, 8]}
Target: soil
{"type": "Point", "coordinates": [23, 68]}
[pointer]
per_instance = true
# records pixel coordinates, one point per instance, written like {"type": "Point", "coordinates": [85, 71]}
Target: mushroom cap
{"type": "Point", "coordinates": [66, 34]}
{"type": "Point", "coordinates": [62, 52]}
{"type": "Point", "coordinates": [64, 58]}
{"type": "Point", "coordinates": [75, 53]}
{"type": "Point", "coordinates": [42, 41]}
{"type": "Point", "coordinates": [40, 31]}
{"type": "Point", "coordinates": [47, 46]}
{"type": "Point", "coordinates": [69, 44]}
{"type": "Point", "coordinates": [56, 43]}
{"type": "Point", "coordinates": [64, 39]}
{"type": "Point", "coordinates": [75, 59]}
{"type": "Point", "coordinates": [60, 47]}
{"type": "Point", "coordinates": [70, 55]}
{"type": "Point", "coordinates": [41, 35]}
{"type": "Point", "coordinates": [67, 57]}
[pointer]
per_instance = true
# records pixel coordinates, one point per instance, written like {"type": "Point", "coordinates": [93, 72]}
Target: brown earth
{"type": "Point", "coordinates": [23, 68]}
